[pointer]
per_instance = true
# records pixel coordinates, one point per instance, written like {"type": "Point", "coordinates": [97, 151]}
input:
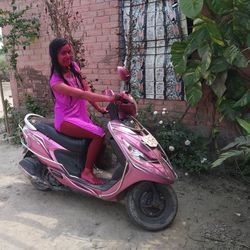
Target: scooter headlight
{"type": "Point", "coordinates": [135, 152]}
{"type": "Point", "coordinates": [138, 154]}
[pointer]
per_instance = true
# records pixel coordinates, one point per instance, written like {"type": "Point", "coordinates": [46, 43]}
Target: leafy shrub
{"type": "Point", "coordinates": [213, 55]}
{"type": "Point", "coordinates": [239, 151]}
{"type": "Point", "coordinates": [16, 117]}
{"type": "Point", "coordinates": [33, 105]}
{"type": "Point", "coordinates": [186, 149]}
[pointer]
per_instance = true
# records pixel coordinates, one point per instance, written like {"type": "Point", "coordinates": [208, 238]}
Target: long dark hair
{"type": "Point", "coordinates": [54, 48]}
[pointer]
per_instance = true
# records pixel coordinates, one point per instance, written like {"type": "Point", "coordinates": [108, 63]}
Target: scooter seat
{"type": "Point", "coordinates": [70, 143]}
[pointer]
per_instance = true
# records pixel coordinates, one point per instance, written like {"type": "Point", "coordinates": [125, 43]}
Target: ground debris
{"type": "Point", "coordinates": [219, 234]}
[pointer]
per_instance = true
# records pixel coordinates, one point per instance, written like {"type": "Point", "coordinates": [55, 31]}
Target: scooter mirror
{"type": "Point", "coordinates": [124, 74]}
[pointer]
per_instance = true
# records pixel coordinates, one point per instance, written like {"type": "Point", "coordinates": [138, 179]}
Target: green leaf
{"type": "Point", "coordinates": [197, 22]}
{"type": "Point", "coordinates": [230, 53]}
{"type": "Point", "coordinates": [244, 124]}
{"type": "Point", "coordinates": [219, 86]}
{"type": "Point", "coordinates": [219, 64]}
{"type": "Point", "coordinates": [233, 56]}
{"type": "Point", "coordinates": [210, 78]}
{"type": "Point", "coordinates": [240, 61]}
{"type": "Point", "coordinates": [200, 34]}
{"type": "Point", "coordinates": [206, 60]}
{"type": "Point", "coordinates": [192, 76]}
{"type": "Point", "coordinates": [220, 7]}
{"type": "Point", "coordinates": [215, 33]}
{"type": "Point", "coordinates": [213, 30]}
{"type": "Point", "coordinates": [239, 141]}
{"type": "Point", "coordinates": [244, 100]}
{"type": "Point", "coordinates": [192, 46]}
{"type": "Point", "coordinates": [194, 93]}
{"type": "Point", "coordinates": [226, 108]}
{"type": "Point", "coordinates": [225, 156]}
{"type": "Point", "coordinates": [191, 8]}
{"type": "Point", "coordinates": [179, 58]}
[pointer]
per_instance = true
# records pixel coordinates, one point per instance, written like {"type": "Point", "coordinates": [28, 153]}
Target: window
{"type": "Point", "coordinates": [149, 28]}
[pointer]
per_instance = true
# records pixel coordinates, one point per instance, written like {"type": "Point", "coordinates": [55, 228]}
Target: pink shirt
{"type": "Point", "coordinates": [72, 109]}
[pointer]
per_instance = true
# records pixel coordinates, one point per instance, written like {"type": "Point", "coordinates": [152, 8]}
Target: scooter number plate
{"type": "Point", "coordinates": [150, 141]}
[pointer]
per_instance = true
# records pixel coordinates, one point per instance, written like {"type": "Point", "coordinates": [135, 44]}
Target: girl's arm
{"type": "Point", "coordinates": [95, 105]}
{"type": "Point", "coordinates": [64, 89]}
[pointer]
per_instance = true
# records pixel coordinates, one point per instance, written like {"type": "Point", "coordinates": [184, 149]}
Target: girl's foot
{"type": "Point", "coordinates": [91, 179]}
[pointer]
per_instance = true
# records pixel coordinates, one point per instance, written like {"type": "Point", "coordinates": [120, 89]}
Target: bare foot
{"type": "Point", "coordinates": [89, 177]}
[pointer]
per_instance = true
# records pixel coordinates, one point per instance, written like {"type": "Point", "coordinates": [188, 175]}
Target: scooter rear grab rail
{"type": "Point", "coordinates": [27, 122]}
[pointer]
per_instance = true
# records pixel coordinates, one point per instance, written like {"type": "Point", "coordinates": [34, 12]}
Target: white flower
{"type": "Point", "coordinates": [163, 113]}
{"type": "Point", "coordinates": [160, 122]}
{"type": "Point", "coordinates": [171, 148]}
{"type": "Point", "coordinates": [238, 214]}
{"type": "Point", "coordinates": [203, 160]}
{"type": "Point", "coordinates": [132, 122]}
{"type": "Point", "coordinates": [164, 109]}
{"type": "Point", "coordinates": [187, 142]}
{"type": "Point", "coordinates": [155, 113]}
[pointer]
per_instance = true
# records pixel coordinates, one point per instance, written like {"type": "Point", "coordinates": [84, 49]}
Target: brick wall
{"type": "Point", "coordinates": [101, 27]}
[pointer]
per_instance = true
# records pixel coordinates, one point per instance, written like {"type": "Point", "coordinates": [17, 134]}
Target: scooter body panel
{"type": "Point", "coordinates": [136, 169]}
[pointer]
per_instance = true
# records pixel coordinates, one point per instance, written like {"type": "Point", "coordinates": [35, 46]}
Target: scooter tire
{"type": "Point", "coordinates": [151, 218]}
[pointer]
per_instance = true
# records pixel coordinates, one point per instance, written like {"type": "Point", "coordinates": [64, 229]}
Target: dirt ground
{"type": "Point", "coordinates": [7, 95]}
{"type": "Point", "coordinates": [214, 213]}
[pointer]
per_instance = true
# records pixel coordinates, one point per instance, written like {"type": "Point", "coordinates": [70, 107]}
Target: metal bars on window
{"type": "Point", "coordinates": [149, 28]}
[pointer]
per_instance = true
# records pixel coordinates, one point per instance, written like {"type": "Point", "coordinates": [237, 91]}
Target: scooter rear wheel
{"type": "Point", "coordinates": [152, 206]}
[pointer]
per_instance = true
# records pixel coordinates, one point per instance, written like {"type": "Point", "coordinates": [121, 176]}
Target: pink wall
{"type": "Point", "coordinates": [101, 27]}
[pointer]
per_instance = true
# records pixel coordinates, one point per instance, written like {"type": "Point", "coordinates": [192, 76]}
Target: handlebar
{"type": "Point", "coordinates": [119, 98]}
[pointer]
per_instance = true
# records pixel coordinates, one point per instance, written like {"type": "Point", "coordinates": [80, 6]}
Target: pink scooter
{"type": "Point", "coordinates": [140, 171]}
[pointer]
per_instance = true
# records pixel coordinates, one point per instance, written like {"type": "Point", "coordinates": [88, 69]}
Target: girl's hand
{"type": "Point", "coordinates": [102, 110]}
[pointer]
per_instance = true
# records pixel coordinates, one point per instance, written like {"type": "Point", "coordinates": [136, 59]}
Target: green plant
{"type": "Point", "coordinates": [4, 69]}
{"type": "Point", "coordinates": [22, 31]}
{"type": "Point", "coordinates": [214, 54]}
{"type": "Point", "coordinates": [239, 150]}
{"type": "Point", "coordinates": [185, 149]}
{"type": "Point", "coordinates": [33, 105]}
{"type": "Point", "coordinates": [16, 116]}
{"type": "Point", "coordinates": [65, 22]}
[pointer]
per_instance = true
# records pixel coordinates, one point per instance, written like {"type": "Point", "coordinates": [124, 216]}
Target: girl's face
{"type": "Point", "coordinates": [65, 56]}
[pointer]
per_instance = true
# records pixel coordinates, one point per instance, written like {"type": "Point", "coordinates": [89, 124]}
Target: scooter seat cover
{"type": "Point", "coordinates": [70, 143]}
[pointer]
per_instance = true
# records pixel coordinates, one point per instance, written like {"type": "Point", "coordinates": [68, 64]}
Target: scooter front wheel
{"type": "Point", "coordinates": [152, 206]}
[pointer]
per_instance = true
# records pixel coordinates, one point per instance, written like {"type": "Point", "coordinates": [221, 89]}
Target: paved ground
{"type": "Point", "coordinates": [213, 214]}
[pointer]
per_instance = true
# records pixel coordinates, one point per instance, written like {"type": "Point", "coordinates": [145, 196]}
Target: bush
{"type": "Point", "coordinates": [185, 149]}
{"type": "Point", "coordinates": [238, 152]}
{"type": "Point", "coordinates": [16, 117]}
{"type": "Point", "coordinates": [33, 105]}
{"type": "Point", "coordinates": [4, 69]}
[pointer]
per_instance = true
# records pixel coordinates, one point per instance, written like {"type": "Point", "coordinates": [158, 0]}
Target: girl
{"type": "Point", "coordinates": [71, 92]}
